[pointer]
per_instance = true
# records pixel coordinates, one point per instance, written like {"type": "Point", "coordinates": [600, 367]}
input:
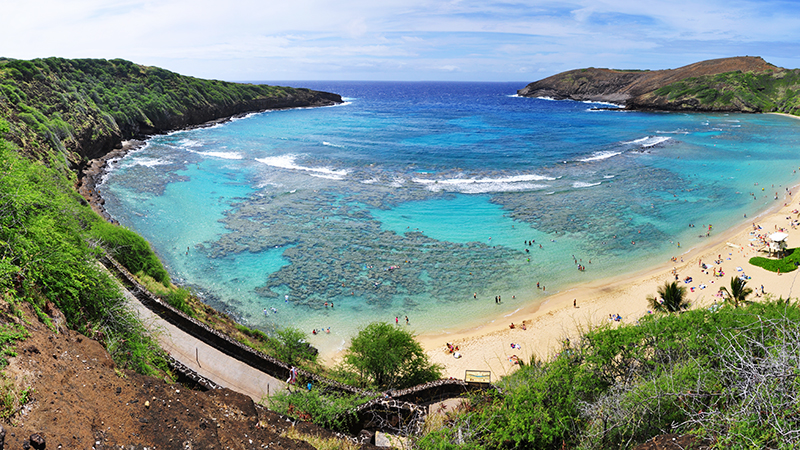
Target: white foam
{"type": "Point", "coordinates": [149, 162]}
{"type": "Point", "coordinates": [484, 185]}
{"type": "Point", "coordinates": [649, 141]}
{"type": "Point", "coordinates": [582, 184]}
{"type": "Point", "coordinates": [603, 103]}
{"type": "Point", "coordinates": [547, 98]}
{"type": "Point", "coordinates": [190, 143]}
{"type": "Point", "coordinates": [287, 162]}
{"type": "Point", "coordinates": [598, 156]}
{"type": "Point", "coordinates": [608, 176]}
{"type": "Point", "coordinates": [223, 155]}
{"type": "Point", "coordinates": [672, 132]}
{"type": "Point", "coordinates": [329, 144]}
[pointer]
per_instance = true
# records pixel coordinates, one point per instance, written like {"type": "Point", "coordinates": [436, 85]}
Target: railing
{"type": "Point", "coordinates": [402, 411]}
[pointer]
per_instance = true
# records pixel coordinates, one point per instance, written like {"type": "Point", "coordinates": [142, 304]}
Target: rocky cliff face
{"type": "Point", "coordinates": [205, 113]}
{"type": "Point", "coordinates": [636, 89]}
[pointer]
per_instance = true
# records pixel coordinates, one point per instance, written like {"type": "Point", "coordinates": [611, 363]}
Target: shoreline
{"type": "Point", "coordinates": [550, 322]}
{"type": "Point", "coordinates": [90, 174]}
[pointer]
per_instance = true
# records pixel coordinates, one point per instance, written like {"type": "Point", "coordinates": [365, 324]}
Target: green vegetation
{"type": "Point", "coordinates": [61, 113]}
{"type": "Point", "coordinates": [771, 91]}
{"type": "Point", "coordinates": [386, 356]}
{"type": "Point", "coordinates": [332, 410]}
{"type": "Point", "coordinates": [786, 264]}
{"type": "Point", "coordinates": [10, 333]}
{"type": "Point", "coordinates": [45, 258]}
{"type": "Point", "coordinates": [290, 345]}
{"type": "Point", "coordinates": [69, 107]}
{"type": "Point", "coordinates": [737, 294]}
{"type": "Point", "coordinates": [727, 374]}
{"type": "Point", "coordinates": [319, 442]}
{"type": "Point", "coordinates": [131, 250]}
{"type": "Point", "coordinates": [671, 298]}
{"type": "Point", "coordinates": [382, 356]}
{"type": "Point", "coordinates": [12, 397]}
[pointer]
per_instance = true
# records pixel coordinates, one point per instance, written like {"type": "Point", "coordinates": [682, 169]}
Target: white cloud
{"type": "Point", "coordinates": [408, 39]}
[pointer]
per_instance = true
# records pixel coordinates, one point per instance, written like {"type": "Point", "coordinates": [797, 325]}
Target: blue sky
{"type": "Point", "coordinates": [467, 40]}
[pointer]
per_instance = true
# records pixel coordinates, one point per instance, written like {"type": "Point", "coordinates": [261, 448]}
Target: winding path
{"type": "Point", "coordinates": [207, 361]}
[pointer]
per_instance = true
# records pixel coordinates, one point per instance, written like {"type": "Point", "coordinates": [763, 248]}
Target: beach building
{"type": "Point", "coordinates": [777, 243]}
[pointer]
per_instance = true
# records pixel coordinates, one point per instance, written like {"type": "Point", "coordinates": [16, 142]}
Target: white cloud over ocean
{"type": "Point", "coordinates": [401, 39]}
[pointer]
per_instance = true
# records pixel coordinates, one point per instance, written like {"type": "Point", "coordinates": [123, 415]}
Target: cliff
{"type": "Point", "coordinates": [83, 108]}
{"type": "Point", "coordinates": [739, 84]}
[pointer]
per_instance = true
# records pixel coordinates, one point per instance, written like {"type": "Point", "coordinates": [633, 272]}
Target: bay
{"type": "Point", "coordinates": [429, 200]}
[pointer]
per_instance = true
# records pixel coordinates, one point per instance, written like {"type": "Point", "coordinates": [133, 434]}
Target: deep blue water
{"type": "Point", "coordinates": [416, 198]}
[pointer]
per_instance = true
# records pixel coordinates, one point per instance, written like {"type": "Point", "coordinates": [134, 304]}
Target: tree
{"type": "Point", "coordinates": [386, 356]}
{"type": "Point", "coordinates": [291, 346]}
{"type": "Point", "coordinates": [738, 292]}
{"type": "Point", "coordinates": [671, 298]}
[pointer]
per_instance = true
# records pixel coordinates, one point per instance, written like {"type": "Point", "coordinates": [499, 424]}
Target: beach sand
{"type": "Point", "coordinates": [549, 323]}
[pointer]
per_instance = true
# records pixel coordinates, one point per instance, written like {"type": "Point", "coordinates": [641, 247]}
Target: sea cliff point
{"type": "Point", "coordinates": [84, 108]}
{"type": "Point", "coordinates": [737, 84]}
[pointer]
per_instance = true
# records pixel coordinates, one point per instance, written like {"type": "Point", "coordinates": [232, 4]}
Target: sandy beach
{"type": "Point", "coordinates": [549, 323]}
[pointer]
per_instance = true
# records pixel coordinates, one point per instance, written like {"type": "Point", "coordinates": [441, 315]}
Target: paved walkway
{"type": "Point", "coordinates": [205, 360]}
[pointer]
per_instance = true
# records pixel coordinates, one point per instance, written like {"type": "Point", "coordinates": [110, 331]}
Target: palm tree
{"type": "Point", "coordinates": [671, 298]}
{"type": "Point", "coordinates": [738, 292]}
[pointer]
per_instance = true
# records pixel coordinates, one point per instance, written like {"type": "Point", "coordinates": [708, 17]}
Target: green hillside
{"type": "Point", "coordinates": [729, 376]}
{"type": "Point", "coordinates": [55, 115]}
{"type": "Point", "coordinates": [739, 91]}
{"type": "Point", "coordinates": [81, 109]}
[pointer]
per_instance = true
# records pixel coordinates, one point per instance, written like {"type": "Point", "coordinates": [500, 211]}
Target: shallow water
{"type": "Point", "coordinates": [425, 200]}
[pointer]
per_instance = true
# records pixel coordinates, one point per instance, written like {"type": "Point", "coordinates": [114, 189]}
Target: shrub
{"type": "Point", "coordinates": [45, 257]}
{"type": "Point", "coordinates": [291, 346]}
{"type": "Point", "coordinates": [328, 409]}
{"type": "Point", "coordinates": [786, 264]}
{"type": "Point", "coordinates": [131, 250]}
{"type": "Point", "coordinates": [386, 356]}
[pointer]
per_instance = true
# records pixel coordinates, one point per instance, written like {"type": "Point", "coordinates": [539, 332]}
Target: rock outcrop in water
{"type": "Point", "coordinates": [739, 84]}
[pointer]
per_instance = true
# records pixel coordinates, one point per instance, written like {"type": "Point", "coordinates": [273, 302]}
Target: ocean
{"type": "Point", "coordinates": [429, 200]}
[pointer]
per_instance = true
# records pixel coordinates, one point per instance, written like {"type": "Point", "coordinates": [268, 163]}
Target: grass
{"type": "Point", "coordinates": [12, 398]}
{"type": "Point", "coordinates": [786, 264]}
{"type": "Point", "coordinates": [318, 442]}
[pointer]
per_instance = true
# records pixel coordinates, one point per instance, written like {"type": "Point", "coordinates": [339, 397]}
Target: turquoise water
{"type": "Point", "coordinates": [427, 200]}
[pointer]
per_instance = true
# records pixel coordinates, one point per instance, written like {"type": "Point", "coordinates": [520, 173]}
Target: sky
{"type": "Point", "coordinates": [401, 40]}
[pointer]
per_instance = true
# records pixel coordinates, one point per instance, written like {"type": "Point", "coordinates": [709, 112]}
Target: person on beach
{"type": "Point", "coordinates": [406, 320]}
{"type": "Point", "coordinates": [575, 303]}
